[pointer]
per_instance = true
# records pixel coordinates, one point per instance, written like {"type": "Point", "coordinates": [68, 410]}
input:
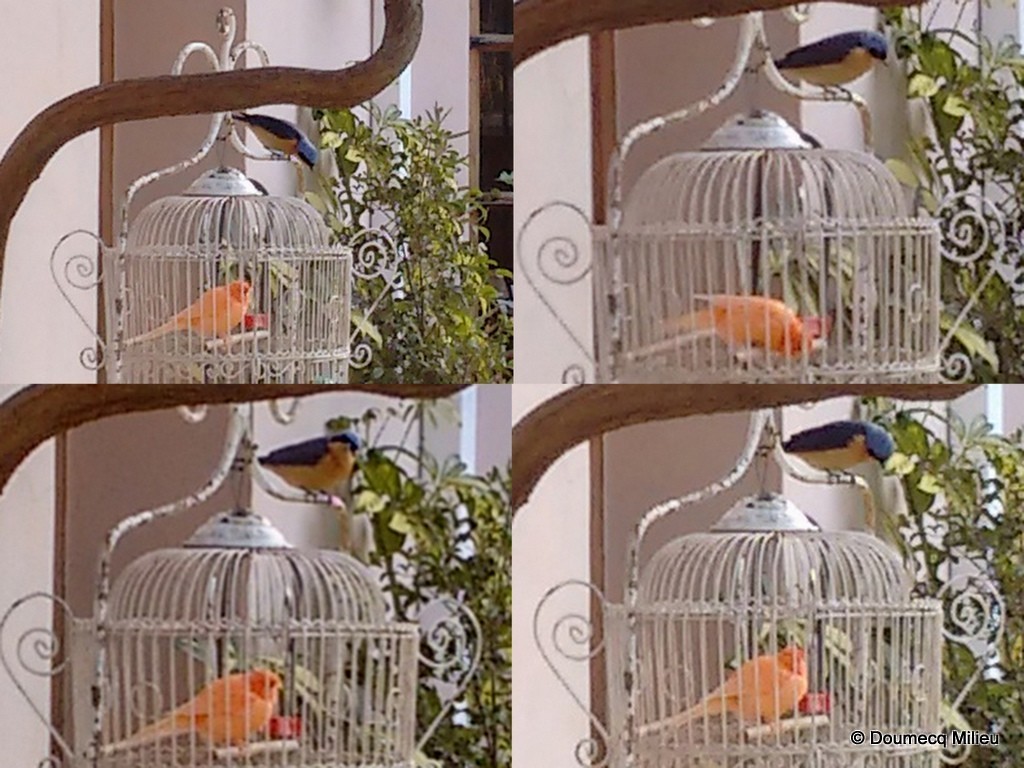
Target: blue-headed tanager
{"type": "Point", "coordinates": [840, 445]}
{"type": "Point", "coordinates": [835, 60]}
{"type": "Point", "coordinates": [280, 136]}
{"type": "Point", "coordinates": [319, 465]}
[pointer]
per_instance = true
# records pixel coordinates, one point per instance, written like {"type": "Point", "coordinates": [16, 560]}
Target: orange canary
{"type": "Point", "coordinates": [755, 321]}
{"type": "Point", "coordinates": [214, 314]}
{"type": "Point", "coordinates": [229, 710]}
{"type": "Point", "coordinates": [767, 687]}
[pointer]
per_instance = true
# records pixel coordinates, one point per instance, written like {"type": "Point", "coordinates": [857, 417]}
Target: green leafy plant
{"type": "Point", "coordinates": [443, 322]}
{"type": "Point", "coordinates": [443, 532]}
{"type": "Point", "coordinates": [969, 89]}
{"type": "Point", "coordinates": [965, 510]}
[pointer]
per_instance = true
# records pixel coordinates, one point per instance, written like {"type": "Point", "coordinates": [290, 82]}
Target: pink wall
{"type": "Point", "coordinates": [125, 464]}
{"type": "Point", "coordinates": [663, 67]}
{"type": "Point", "coordinates": [648, 464]}
{"type": "Point", "coordinates": [48, 50]}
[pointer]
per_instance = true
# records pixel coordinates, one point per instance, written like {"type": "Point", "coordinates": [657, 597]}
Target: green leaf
{"type": "Point", "coordinates": [922, 85]}
{"type": "Point", "coordinates": [929, 484]}
{"type": "Point", "coordinates": [367, 328]}
{"type": "Point", "coordinates": [956, 106]}
{"type": "Point", "coordinates": [369, 501]}
{"type": "Point", "coordinates": [950, 718]}
{"type": "Point", "coordinates": [317, 202]}
{"type": "Point", "coordinates": [904, 173]}
{"type": "Point", "coordinates": [974, 343]}
{"type": "Point", "coordinates": [400, 524]}
{"type": "Point", "coordinates": [900, 464]}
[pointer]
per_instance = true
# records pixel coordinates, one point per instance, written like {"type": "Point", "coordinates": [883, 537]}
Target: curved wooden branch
{"type": "Point", "coordinates": [541, 24]}
{"type": "Point", "coordinates": [35, 414]}
{"type": "Point", "coordinates": [567, 419]}
{"type": "Point", "coordinates": [149, 97]}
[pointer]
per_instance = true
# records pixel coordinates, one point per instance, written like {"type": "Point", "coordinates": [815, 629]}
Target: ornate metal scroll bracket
{"type": "Point", "coordinates": [974, 612]}
{"type": "Point", "coordinates": [81, 272]}
{"type": "Point", "coordinates": [552, 267]}
{"type": "Point", "coordinates": [571, 637]}
{"type": "Point", "coordinates": [752, 37]}
{"type": "Point", "coordinates": [375, 256]}
{"type": "Point", "coordinates": [451, 645]}
{"type": "Point", "coordinates": [39, 653]}
{"type": "Point", "coordinates": [973, 227]}
{"type": "Point", "coordinates": [227, 58]}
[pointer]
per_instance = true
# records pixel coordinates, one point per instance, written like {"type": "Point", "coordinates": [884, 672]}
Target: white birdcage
{"type": "Point", "coordinates": [760, 258]}
{"type": "Point", "coordinates": [236, 598]}
{"type": "Point", "coordinates": [766, 642]}
{"type": "Point", "coordinates": [291, 325]}
{"type": "Point", "coordinates": [762, 580]}
{"type": "Point", "coordinates": [224, 283]}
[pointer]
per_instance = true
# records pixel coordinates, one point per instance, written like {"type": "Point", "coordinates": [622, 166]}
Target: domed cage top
{"type": "Point", "coordinates": [277, 293]}
{"type": "Point", "coordinates": [181, 619]}
{"type": "Point", "coordinates": [760, 258]}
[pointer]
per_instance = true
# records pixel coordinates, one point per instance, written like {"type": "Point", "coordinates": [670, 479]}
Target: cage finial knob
{"type": "Point", "coordinates": [238, 529]}
{"type": "Point", "coordinates": [765, 512]}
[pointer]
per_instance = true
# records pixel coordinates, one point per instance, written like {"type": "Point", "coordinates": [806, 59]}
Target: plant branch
{"type": "Point", "coordinates": [582, 413]}
{"type": "Point", "coordinates": [37, 413]}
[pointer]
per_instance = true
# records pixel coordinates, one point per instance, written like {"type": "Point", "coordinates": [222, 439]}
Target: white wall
{"type": "Point", "coordinates": [552, 161]}
{"type": "Point", "coordinates": [838, 125]}
{"type": "Point", "coordinates": [26, 552]}
{"type": "Point", "coordinates": [833, 507]}
{"type": "Point", "coordinates": [48, 50]}
{"type": "Point", "coordinates": [550, 543]}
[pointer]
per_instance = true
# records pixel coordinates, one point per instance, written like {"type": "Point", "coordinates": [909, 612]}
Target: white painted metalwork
{"type": "Point", "coordinates": [237, 599]}
{"type": "Point", "coordinates": [764, 578]}
{"type": "Point", "coordinates": [294, 322]}
{"type": "Point", "coordinates": [180, 618]}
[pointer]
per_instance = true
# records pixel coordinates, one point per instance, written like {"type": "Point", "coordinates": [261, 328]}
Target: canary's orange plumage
{"type": "Point", "coordinates": [764, 688]}
{"type": "Point", "coordinates": [754, 321]}
{"type": "Point", "coordinates": [215, 314]}
{"type": "Point", "coordinates": [228, 711]}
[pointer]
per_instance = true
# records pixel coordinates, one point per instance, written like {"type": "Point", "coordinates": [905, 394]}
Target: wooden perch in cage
{"type": "Point", "coordinates": [754, 732]}
{"type": "Point", "coordinates": [235, 338]}
{"type": "Point", "coordinates": [231, 754]}
{"type": "Point", "coordinates": [801, 722]}
{"type": "Point", "coordinates": [223, 754]}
